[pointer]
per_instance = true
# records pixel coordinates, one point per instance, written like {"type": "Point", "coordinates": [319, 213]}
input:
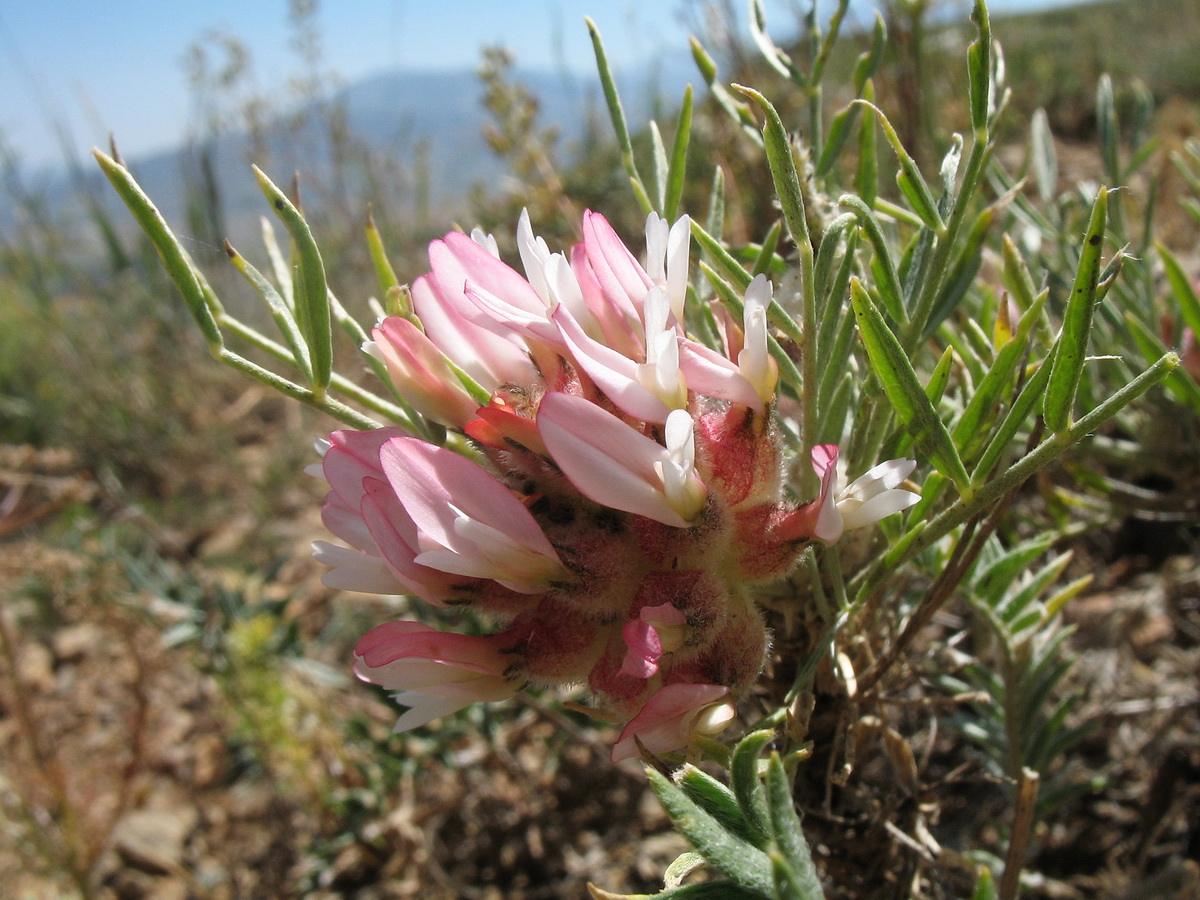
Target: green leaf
{"type": "Point", "coordinates": [743, 776]}
{"type": "Point", "coordinates": [783, 167]}
{"type": "Point", "coordinates": [776, 58]}
{"type": "Point", "coordinates": [737, 859]}
{"type": "Point", "coordinates": [678, 168]}
{"type": "Point", "coordinates": [831, 290]}
{"type": "Point", "coordinates": [766, 253]}
{"type": "Point", "coordinates": [1045, 160]}
{"type": "Point", "coordinates": [868, 60]}
{"type": "Point", "coordinates": [909, 179]}
{"type": "Point", "coordinates": [787, 834]}
{"type": "Point", "coordinates": [940, 377]}
{"type": "Point", "coordinates": [979, 68]}
{"type": "Point", "coordinates": [1108, 132]}
{"type": "Point", "coordinates": [682, 866]}
{"type": "Point", "coordinates": [714, 224]}
{"type": "Point", "coordinates": [973, 427]}
{"type": "Point", "coordinates": [280, 311]}
{"type": "Point", "coordinates": [962, 272]}
{"type": "Point", "coordinates": [835, 141]}
{"type": "Point", "coordinates": [720, 803]}
{"type": "Point", "coordinates": [985, 885]}
{"type": "Point", "coordinates": [379, 258]}
{"type": "Point", "coordinates": [1071, 346]}
{"type": "Point", "coordinates": [787, 884]}
{"type": "Point", "coordinates": [895, 373]}
{"type": "Point", "coordinates": [179, 266]}
{"type": "Point", "coordinates": [1182, 289]}
{"type": "Point", "coordinates": [711, 890]}
{"type": "Point", "coordinates": [659, 155]}
{"type": "Point", "coordinates": [1016, 275]}
{"type": "Point", "coordinates": [866, 178]}
{"type": "Point", "coordinates": [723, 262]}
{"type": "Point", "coordinates": [829, 39]}
{"type": "Point", "coordinates": [1014, 419]}
{"type": "Point", "coordinates": [312, 300]}
{"type": "Point", "coordinates": [734, 108]}
{"type": "Point", "coordinates": [616, 114]}
{"type": "Point", "coordinates": [1181, 385]}
{"type": "Point", "coordinates": [890, 291]}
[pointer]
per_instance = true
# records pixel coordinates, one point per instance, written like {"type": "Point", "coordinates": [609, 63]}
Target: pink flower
{"type": "Point", "coordinates": [622, 280]}
{"type": "Point", "coordinates": [672, 716]}
{"type": "Point", "coordinates": [491, 354]}
{"type": "Point", "coordinates": [865, 500]}
{"type": "Point", "coordinates": [420, 372]}
{"type": "Point", "coordinates": [656, 630]}
{"type": "Point", "coordinates": [381, 535]}
{"type": "Point", "coordinates": [434, 673]}
{"type": "Point", "coordinates": [467, 522]}
{"type": "Point", "coordinates": [614, 465]}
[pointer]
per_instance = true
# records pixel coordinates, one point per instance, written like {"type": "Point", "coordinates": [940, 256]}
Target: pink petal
{"type": "Point", "coordinates": [604, 458]}
{"type": "Point", "coordinates": [620, 275]}
{"type": "Point", "coordinates": [645, 649]}
{"type": "Point", "coordinates": [395, 534]}
{"type": "Point", "coordinates": [531, 325]}
{"type": "Point", "coordinates": [616, 321]}
{"type": "Point", "coordinates": [456, 259]}
{"type": "Point", "coordinates": [432, 482]}
{"type": "Point", "coordinates": [421, 374]}
{"type": "Point", "coordinates": [668, 719]}
{"type": "Point", "coordinates": [490, 359]}
{"type": "Point", "coordinates": [711, 374]}
{"type": "Point", "coordinates": [614, 373]}
{"type": "Point", "coordinates": [829, 525]}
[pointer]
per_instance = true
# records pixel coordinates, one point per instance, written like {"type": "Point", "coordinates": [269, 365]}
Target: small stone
{"type": "Point", "coordinates": [153, 839]}
{"type": "Point", "coordinates": [74, 642]}
{"type": "Point", "coordinates": [35, 667]}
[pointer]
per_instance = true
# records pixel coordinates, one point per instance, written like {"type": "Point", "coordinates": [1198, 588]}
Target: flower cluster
{"type": "Point", "coordinates": [621, 496]}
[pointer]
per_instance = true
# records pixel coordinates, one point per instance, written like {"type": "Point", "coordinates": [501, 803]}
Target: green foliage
{"type": "Point", "coordinates": [951, 312]}
{"type": "Point", "coordinates": [750, 833]}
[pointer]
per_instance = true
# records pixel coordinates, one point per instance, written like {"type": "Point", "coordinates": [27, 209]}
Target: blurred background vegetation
{"type": "Point", "coordinates": [175, 714]}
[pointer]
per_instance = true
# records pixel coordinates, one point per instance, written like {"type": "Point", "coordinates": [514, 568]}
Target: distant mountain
{"type": "Point", "coordinates": [388, 116]}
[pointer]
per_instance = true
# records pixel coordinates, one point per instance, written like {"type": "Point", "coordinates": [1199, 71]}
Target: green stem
{"type": "Point", "coordinates": [926, 534]}
{"type": "Point", "coordinates": [345, 414]}
{"type": "Point", "coordinates": [940, 265]}
{"type": "Point", "coordinates": [338, 382]}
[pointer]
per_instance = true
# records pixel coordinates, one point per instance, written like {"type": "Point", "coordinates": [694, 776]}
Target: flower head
{"type": "Point", "coordinates": [608, 507]}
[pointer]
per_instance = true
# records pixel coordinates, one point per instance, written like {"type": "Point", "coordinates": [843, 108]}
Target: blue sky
{"type": "Point", "coordinates": [116, 65]}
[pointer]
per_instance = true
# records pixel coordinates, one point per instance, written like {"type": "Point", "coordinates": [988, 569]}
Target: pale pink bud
{"type": "Point", "coordinates": [420, 372]}
{"type": "Point", "coordinates": [673, 716]}
{"type": "Point", "coordinates": [656, 630]}
{"type": "Point", "coordinates": [456, 325]}
{"type": "Point", "coordinates": [434, 673]}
